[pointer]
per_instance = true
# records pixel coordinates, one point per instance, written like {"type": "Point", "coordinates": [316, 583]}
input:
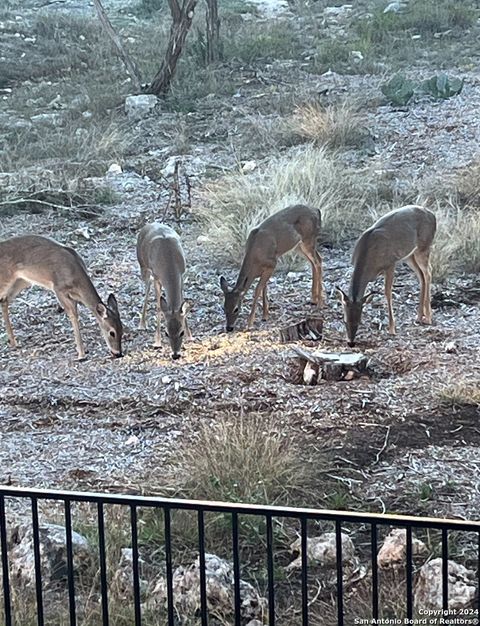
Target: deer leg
{"type": "Point", "coordinates": [188, 332]}
{"type": "Point", "coordinates": [158, 332]}
{"type": "Point", "coordinates": [265, 307]}
{"type": "Point", "coordinates": [388, 294]}
{"type": "Point", "coordinates": [70, 308]}
{"type": "Point", "coordinates": [258, 290]}
{"type": "Point", "coordinates": [412, 261]}
{"type": "Point", "coordinates": [8, 324]}
{"type": "Point", "coordinates": [315, 260]}
{"type": "Point", "coordinates": [14, 290]}
{"type": "Point", "coordinates": [143, 324]}
{"type": "Point", "coordinates": [422, 259]}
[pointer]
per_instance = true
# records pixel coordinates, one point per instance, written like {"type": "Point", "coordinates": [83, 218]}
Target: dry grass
{"type": "Point", "coordinates": [235, 204]}
{"type": "Point", "coordinates": [244, 458]}
{"type": "Point", "coordinates": [85, 149]}
{"type": "Point", "coordinates": [457, 243]}
{"type": "Point", "coordinates": [466, 393]}
{"type": "Point", "coordinates": [334, 126]}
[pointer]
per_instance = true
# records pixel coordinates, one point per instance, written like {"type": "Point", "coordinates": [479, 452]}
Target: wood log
{"type": "Point", "coordinates": [310, 329]}
{"type": "Point", "coordinates": [330, 366]}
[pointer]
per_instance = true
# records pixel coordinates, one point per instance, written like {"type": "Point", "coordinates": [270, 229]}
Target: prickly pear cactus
{"type": "Point", "coordinates": [442, 86]}
{"type": "Point", "coordinates": [398, 90]}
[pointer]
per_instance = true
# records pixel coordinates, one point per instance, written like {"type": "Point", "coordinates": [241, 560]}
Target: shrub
{"type": "Point", "coordinates": [466, 393]}
{"type": "Point", "coordinates": [238, 202]}
{"type": "Point", "coordinates": [334, 126]}
{"type": "Point", "coordinates": [457, 242]}
{"type": "Point", "coordinates": [244, 458]}
{"type": "Point", "coordinates": [424, 17]}
{"type": "Point", "coordinates": [250, 41]}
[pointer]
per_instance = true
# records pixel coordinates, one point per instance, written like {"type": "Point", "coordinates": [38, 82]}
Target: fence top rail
{"type": "Point", "coordinates": [240, 508]}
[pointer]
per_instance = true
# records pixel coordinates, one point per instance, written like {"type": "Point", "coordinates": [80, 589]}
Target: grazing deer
{"type": "Point", "coordinates": [161, 258]}
{"type": "Point", "coordinates": [34, 260]}
{"type": "Point", "coordinates": [295, 226]}
{"type": "Point", "coordinates": [405, 234]}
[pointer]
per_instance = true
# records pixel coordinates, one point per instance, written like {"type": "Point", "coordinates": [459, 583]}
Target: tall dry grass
{"type": "Point", "coordinates": [334, 125]}
{"type": "Point", "coordinates": [349, 200]}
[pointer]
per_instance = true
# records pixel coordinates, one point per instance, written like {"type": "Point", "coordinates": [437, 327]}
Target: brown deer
{"type": "Point", "coordinates": [296, 226]}
{"type": "Point", "coordinates": [34, 260]}
{"type": "Point", "coordinates": [405, 234]}
{"type": "Point", "coordinates": [161, 258]}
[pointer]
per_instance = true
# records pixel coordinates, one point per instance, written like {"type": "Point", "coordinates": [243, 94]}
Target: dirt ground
{"type": "Point", "coordinates": [116, 425]}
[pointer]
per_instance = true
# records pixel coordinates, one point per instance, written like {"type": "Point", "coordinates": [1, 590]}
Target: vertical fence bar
{"type": "Point", "coordinates": [478, 579]}
{"type": "Point", "coordinates": [236, 570]}
{"type": "Point", "coordinates": [103, 563]}
{"type": "Point", "coordinates": [270, 572]}
{"type": "Point", "coordinates": [136, 577]}
{"type": "Point", "coordinates": [409, 571]}
{"type": "Point", "coordinates": [70, 570]}
{"type": "Point", "coordinates": [168, 565]}
{"type": "Point", "coordinates": [444, 568]}
{"type": "Point", "coordinates": [37, 561]}
{"type": "Point", "coordinates": [201, 558]}
{"type": "Point", "coordinates": [374, 543]}
{"type": "Point", "coordinates": [5, 570]}
{"type": "Point", "coordinates": [304, 521]}
{"type": "Point", "coordinates": [338, 537]}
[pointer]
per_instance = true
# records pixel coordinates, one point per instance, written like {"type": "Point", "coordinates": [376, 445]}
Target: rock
{"type": "Point", "coordinates": [114, 168]}
{"type": "Point", "coordinates": [47, 119]}
{"type": "Point", "coordinates": [139, 107]}
{"type": "Point", "coordinates": [394, 548]}
{"type": "Point", "coordinates": [461, 586]}
{"type": "Point", "coordinates": [322, 551]}
{"type": "Point", "coordinates": [82, 133]}
{"type": "Point", "coordinates": [220, 591]}
{"type": "Point", "coordinates": [394, 7]}
{"type": "Point", "coordinates": [53, 554]}
{"type": "Point", "coordinates": [248, 166]}
{"type": "Point", "coordinates": [123, 576]}
{"type": "Point", "coordinates": [356, 55]}
{"type": "Point", "coordinates": [202, 239]}
{"type": "Point", "coordinates": [254, 622]}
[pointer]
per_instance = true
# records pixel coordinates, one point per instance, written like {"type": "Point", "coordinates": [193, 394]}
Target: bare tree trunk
{"type": "Point", "coordinates": [128, 62]}
{"type": "Point", "coordinates": [213, 31]}
{"type": "Point", "coordinates": [182, 21]}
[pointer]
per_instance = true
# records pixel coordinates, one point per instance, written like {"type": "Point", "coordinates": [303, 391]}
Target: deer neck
{"type": "Point", "coordinates": [87, 294]}
{"type": "Point", "coordinates": [246, 276]}
{"type": "Point", "coordinates": [359, 282]}
{"type": "Point", "coordinates": [173, 287]}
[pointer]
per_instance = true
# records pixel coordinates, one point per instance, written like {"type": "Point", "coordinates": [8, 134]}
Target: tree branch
{"type": "Point", "coordinates": [122, 53]}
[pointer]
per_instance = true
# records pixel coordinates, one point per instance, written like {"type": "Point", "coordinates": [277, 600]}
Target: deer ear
{"type": "Point", "coordinates": [102, 310]}
{"type": "Point", "coordinates": [223, 284]}
{"type": "Point", "coordinates": [112, 303]}
{"type": "Point", "coordinates": [342, 296]}
{"type": "Point", "coordinates": [368, 298]}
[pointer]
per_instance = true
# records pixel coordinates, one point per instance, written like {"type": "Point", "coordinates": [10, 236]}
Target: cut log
{"type": "Point", "coordinates": [310, 328]}
{"type": "Point", "coordinates": [330, 366]}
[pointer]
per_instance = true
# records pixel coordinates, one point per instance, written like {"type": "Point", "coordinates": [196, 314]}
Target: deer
{"type": "Point", "coordinates": [403, 235]}
{"type": "Point", "coordinates": [35, 260]}
{"type": "Point", "coordinates": [295, 227]}
{"type": "Point", "coordinates": [161, 259]}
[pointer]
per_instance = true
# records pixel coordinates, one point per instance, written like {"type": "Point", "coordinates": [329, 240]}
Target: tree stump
{"type": "Point", "coordinates": [310, 328]}
{"type": "Point", "coordinates": [331, 366]}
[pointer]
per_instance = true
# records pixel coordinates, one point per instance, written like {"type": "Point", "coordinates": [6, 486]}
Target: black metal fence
{"type": "Point", "coordinates": [370, 523]}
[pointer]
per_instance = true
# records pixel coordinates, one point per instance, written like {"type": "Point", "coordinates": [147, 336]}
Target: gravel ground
{"type": "Point", "coordinates": [116, 424]}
